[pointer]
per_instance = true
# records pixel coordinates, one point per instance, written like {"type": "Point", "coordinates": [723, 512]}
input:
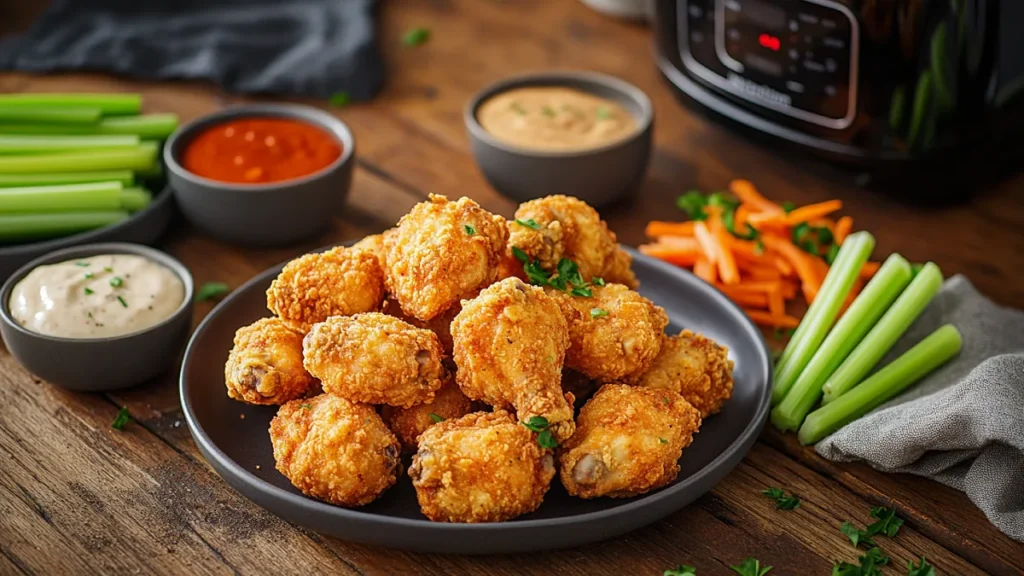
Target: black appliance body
{"type": "Point", "coordinates": [924, 94]}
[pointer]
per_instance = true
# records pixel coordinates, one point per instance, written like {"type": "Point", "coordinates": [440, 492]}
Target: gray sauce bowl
{"type": "Point", "coordinates": [102, 363]}
{"type": "Point", "coordinates": [271, 214]}
{"type": "Point", "coordinates": [598, 176]}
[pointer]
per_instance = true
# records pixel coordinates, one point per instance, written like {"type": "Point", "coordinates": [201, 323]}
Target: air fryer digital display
{"type": "Point", "coordinates": [797, 57]}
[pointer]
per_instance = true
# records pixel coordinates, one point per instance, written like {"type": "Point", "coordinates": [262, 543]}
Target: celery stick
{"type": "Point", "coordinates": [107, 103]}
{"type": "Point", "coordinates": [157, 126]}
{"type": "Point", "coordinates": [69, 197]}
{"type": "Point", "coordinates": [139, 158]}
{"type": "Point", "coordinates": [23, 227]}
{"type": "Point", "coordinates": [51, 117]}
{"type": "Point", "coordinates": [881, 291]}
{"type": "Point", "coordinates": [135, 199]}
{"type": "Point", "coordinates": [125, 177]}
{"type": "Point", "coordinates": [881, 338]}
{"type": "Point", "coordinates": [934, 351]}
{"type": "Point", "coordinates": [823, 311]}
{"type": "Point", "coordinates": [40, 144]}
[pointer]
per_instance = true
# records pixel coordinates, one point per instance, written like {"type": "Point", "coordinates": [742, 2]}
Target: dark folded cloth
{"type": "Point", "coordinates": [298, 48]}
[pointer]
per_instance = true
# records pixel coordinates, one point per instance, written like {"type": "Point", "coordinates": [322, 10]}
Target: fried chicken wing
{"type": "Point", "coordinates": [510, 342]}
{"type": "Point", "coordinates": [482, 467]}
{"type": "Point", "coordinates": [335, 450]}
{"type": "Point", "coordinates": [555, 227]}
{"type": "Point", "coordinates": [628, 441]}
{"type": "Point", "coordinates": [613, 334]}
{"type": "Point", "coordinates": [408, 423]}
{"type": "Point", "coordinates": [441, 252]}
{"type": "Point", "coordinates": [314, 287]}
{"type": "Point", "coordinates": [374, 358]}
{"type": "Point", "coordinates": [694, 366]}
{"type": "Point", "coordinates": [265, 365]}
{"type": "Point", "coordinates": [441, 325]}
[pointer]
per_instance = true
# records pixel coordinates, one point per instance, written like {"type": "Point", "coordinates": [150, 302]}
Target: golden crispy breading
{"type": "Point", "coordinates": [482, 467]}
{"type": "Point", "coordinates": [510, 343]}
{"type": "Point", "coordinates": [578, 385]}
{"type": "Point", "coordinates": [409, 423]}
{"type": "Point", "coordinates": [568, 227]}
{"type": "Point", "coordinates": [441, 252]}
{"type": "Point", "coordinates": [374, 358]}
{"type": "Point", "coordinates": [440, 325]}
{"type": "Point", "coordinates": [375, 244]}
{"type": "Point", "coordinates": [628, 441]}
{"type": "Point", "coordinates": [335, 450]}
{"type": "Point", "coordinates": [613, 334]}
{"type": "Point", "coordinates": [694, 366]}
{"type": "Point", "coordinates": [265, 365]}
{"type": "Point", "coordinates": [314, 287]}
{"type": "Point", "coordinates": [509, 267]}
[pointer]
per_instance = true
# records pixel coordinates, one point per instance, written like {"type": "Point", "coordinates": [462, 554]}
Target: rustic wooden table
{"type": "Point", "coordinates": [77, 497]}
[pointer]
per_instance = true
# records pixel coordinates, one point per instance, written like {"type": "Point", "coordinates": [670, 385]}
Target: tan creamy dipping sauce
{"type": "Point", "coordinates": [96, 297]}
{"type": "Point", "coordinates": [552, 118]}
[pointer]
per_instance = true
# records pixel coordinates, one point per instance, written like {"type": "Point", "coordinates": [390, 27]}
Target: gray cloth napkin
{"type": "Point", "coordinates": [963, 425]}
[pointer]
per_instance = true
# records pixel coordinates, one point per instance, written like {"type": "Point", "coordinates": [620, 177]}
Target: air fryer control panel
{"type": "Point", "coordinates": [796, 57]}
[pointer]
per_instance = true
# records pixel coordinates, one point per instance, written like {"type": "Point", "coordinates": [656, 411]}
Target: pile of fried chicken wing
{"type": "Point", "coordinates": [470, 341]}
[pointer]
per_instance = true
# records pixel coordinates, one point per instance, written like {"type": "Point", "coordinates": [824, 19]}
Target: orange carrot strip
{"type": "Point", "coordinates": [843, 227]}
{"type": "Point", "coordinates": [776, 304]}
{"type": "Point", "coordinates": [869, 269]}
{"type": "Point", "coordinates": [707, 242]}
{"type": "Point", "coordinates": [726, 262]}
{"type": "Point", "coordinates": [806, 269]}
{"type": "Point", "coordinates": [748, 299]}
{"type": "Point", "coordinates": [759, 272]}
{"type": "Point", "coordinates": [788, 290]}
{"type": "Point", "coordinates": [749, 195]}
{"type": "Point", "coordinates": [740, 217]}
{"type": "Point", "coordinates": [763, 318]}
{"type": "Point", "coordinates": [680, 243]}
{"type": "Point", "coordinates": [671, 255]}
{"type": "Point", "coordinates": [824, 223]}
{"type": "Point", "coordinates": [705, 270]}
{"type": "Point", "coordinates": [801, 214]}
{"type": "Point", "coordinates": [656, 228]}
{"type": "Point", "coordinates": [755, 287]}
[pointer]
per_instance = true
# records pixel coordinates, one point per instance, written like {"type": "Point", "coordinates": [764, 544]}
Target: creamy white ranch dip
{"type": "Point", "coordinates": [96, 297]}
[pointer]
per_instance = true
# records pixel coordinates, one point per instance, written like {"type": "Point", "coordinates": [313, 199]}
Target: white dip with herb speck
{"type": "Point", "coordinates": [96, 297]}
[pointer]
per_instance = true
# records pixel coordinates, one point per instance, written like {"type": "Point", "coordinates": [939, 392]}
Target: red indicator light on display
{"type": "Point", "coordinates": [770, 42]}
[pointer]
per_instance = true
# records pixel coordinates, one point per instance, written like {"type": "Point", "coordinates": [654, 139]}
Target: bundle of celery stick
{"type": "Point", "coordinates": [831, 360]}
{"type": "Point", "coordinates": [75, 162]}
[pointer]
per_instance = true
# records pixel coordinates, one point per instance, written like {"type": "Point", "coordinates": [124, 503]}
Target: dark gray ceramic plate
{"type": "Point", "coordinates": [237, 447]}
{"type": "Point", "coordinates": [143, 227]}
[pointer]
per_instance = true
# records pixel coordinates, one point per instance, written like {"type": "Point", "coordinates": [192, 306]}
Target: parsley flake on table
{"type": "Point", "coordinates": [435, 418]}
{"type": "Point", "coordinates": [123, 416]}
{"type": "Point", "coordinates": [416, 36]}
{"type": "Point", "coordinates": [211, 291]}
{"type": "Point", "coordinates": [528, 222]}
{"type": "Point", "coordinates": [857, 536]}
{"type": "Point", "coordinates": [750, 567]}
{"type": "Point", "coordinates": [887, 522]}
{"type": "Point", "coordinates": [924, 569]}
{"type": "Point", "coordinates": [782, 502]}
{"type": "Point", "coordinates": [340, 99]}
{"type": "Point", "coordinates": [681, 570]}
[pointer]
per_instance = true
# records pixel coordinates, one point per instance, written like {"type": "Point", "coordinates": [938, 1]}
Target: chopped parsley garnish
{"type": "Point", "coordinates": [435, 418]}
{"type": "Point", "coordinates": [548, 111]}
{"type": "Point", "coordinates": [812, 238]}
{"type": "Point", "coordinates": [121, 300]}
{"type": "Point", "coordinates": [211, 291]}
{"type": "Point", "coordinates": [750, 567]}
{"type": "Point", "coordinates": [597, 312]}
{"type": "Point", "coordinates": [306, 406]}
{"type": "Point", "coordinates": [693, 203]}
{"type": "Point", "coordinates": [582, 292]}
{"type": "Point", "coordinates": [82, 263]}
{"type": "Point", "coordinates": [108, 269]}
{"type": "Point", "coordinates": [518, 109]}
{"type": "Point", "coordinates": [340, 99]}
{"type": "Point", "coordinates": [924, 569]}
{"type": "Point", "coordinates": [782, 502]}
{"type": "Point", "coordinates": [597, 281]}
{"type": "Point", "coordinates": [566, 278]}
{"type": "Point", "coordinates": [123, 416]}
{"type": "Point", "coordinates": [529, 223]}
{"type": "Point", "coordinates": [788, 207]}
{"type": "Point", "coordinates": [416, 36]}
{"type": "Point", "coordinates": [116, 282]}
{"type": "Point", "coordinates": [887, 522]}
{"type": "Point", "coordinates": [469, 229]}
{"type": "Point", "coordinates": [758, 248]}
{"type": "Point", "coordinates": [89, 275]}
{"type": "Point", "coordinates": [856, 536]}
{"type": "Point", "coordinates": [88, 291]}
{"type": "Point", "coordinates": [539, 424]}
{"type": "Point", "coordinates": [681, 570]}
{"type": "Point", "coordinates": [662, 440]}
{"type": "Point", "coordinates": [604, 113]}
{"type": "Point", "coordinates": [868, 565]}
{"type": "Point", "coordinates": [830, 256]}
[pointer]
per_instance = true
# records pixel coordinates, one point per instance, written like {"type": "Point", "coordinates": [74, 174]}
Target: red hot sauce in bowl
{"type": "Point", "coordinates": [260, 151]}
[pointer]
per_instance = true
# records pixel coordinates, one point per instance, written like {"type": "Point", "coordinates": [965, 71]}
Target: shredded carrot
{"type": "Point", "coordinates": [726, 263]}
{"type": "Point", "coordinates": [740, 218]}
{"type": "Point", "coordinates": [656, 228]}
{"type": "Point", "coordinates": [749, 195]}
{"type": "Point", "coordinates": [800, 260]}
{"type": "Point", "coordinates": [802, 214]}
{"type": "Point", "coordinates": [763, 318]}
{"type": "Point", "coordinates": [705, 270]}
{"type": "Point", "coordinates": [750, 299]}
{"type": "Point", "coordinates": [671, 255]}
{"type": "Point", "coordinates": [760, 272]}
{"type": "Point", "coordinates": [843, 227]}
{"type": "Point", "coordinates": [869, 269]}
{"type": "Point", "coordinates": [776, 302]}
{"type": "Point", "coordinates": [707, 242]}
